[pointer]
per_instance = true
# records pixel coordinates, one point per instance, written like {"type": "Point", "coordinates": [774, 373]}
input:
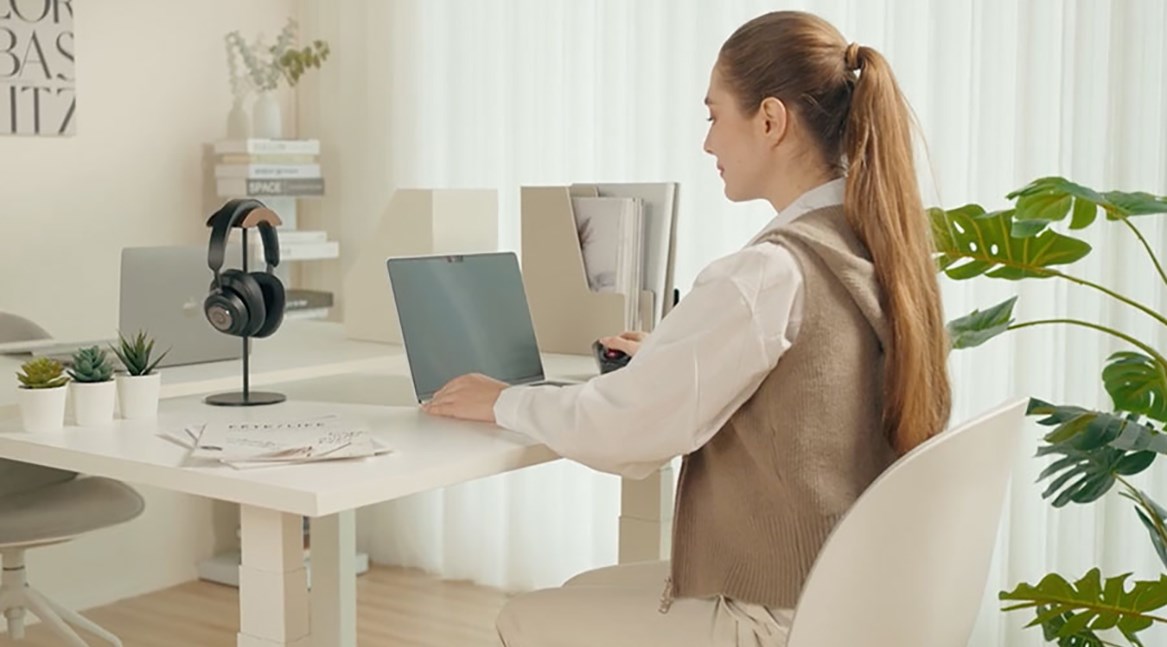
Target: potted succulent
{"type": "Point", "coordinates": [139, 386]}
{"type": "Point", "coordinates": [42, 394]}
{"type": "Point", "coordinates": [93, 387]}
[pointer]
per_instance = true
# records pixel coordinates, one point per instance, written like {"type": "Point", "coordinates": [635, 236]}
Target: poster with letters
{"type": "Point", "coordinates": [37, 95]}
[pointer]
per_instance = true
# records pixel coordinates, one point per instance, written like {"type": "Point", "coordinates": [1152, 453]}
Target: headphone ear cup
{"type": "Point", "coordinates": [273, 302]}
{"type": "Point", "coordinates": [225, 311]}
{"type": "Point", "coordinates": [252, 296]}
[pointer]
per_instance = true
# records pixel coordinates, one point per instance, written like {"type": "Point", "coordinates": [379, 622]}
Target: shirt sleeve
{"type": "Point", "coordinates": [703, 361]}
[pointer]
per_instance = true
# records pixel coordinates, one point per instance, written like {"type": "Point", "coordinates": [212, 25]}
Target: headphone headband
{"type": "Point", "coordinates": [243, 213]}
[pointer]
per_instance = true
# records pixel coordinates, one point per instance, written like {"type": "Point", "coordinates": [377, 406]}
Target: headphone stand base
{"type": "Point", "coordinates": [240, 399]}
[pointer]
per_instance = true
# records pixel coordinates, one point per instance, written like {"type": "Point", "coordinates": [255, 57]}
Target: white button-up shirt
{"type": "Point", "coordinates": [702, 362]}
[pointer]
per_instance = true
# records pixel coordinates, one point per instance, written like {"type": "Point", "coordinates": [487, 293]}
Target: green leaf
{"type": "Point", "coordinates": [1136, 204]}
{"type": "Point", "coordinates": [1028, 228]}
{"type": "Point", "coordinates": [42, 373]}
{"type": "Point", "coordinates": [1138, 384]}
{"type": "Point", "coordinates": [979, 326]}
{"type": "Point", "coordinates": [970, 243]}
{"type": "Point", "coordinates": [1071, 614]}
{"type": "Point", "coordinates": [1084, 214]}
{"type": "Point", "coordinates": [1047, 206]}
{"type": "Point", "coordinates": [1044, 199]}
{"type": "Point", "coordinates": [1157, 539]}
{"type": "Point", "coordinates": [1093, 449]}
{"type": "Point", "coordinates": [1086, 430]}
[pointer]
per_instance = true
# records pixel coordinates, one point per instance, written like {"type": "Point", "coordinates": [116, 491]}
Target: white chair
{"type": "Point", "coordinates": [908, 565]}
{"type": "Point", "coordinates": [42, 506]}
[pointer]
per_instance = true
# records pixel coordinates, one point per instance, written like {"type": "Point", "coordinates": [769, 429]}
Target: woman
{"type": "Point", "coordinates": [790, 377]}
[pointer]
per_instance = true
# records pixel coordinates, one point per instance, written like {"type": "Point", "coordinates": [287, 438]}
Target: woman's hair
{"type": "Point", "coordinates": [847, 99]}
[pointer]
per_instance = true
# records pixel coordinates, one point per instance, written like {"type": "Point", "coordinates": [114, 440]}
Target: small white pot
{"type": "Point", "coordinates": [138, 395]}
{"type": "Point", "coordinates": [42, 409]}
{"type": "Point", "coordinates": [93, 402]}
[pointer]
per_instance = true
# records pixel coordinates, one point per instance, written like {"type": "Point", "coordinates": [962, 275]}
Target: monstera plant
{"type": "Point", "coordinates": [1091, 450]}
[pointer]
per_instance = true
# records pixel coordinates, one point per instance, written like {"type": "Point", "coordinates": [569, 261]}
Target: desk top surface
{"type": "Point", "coordinates": [427, 453]}
{"type": "Point", "coordinates": [322, 373]}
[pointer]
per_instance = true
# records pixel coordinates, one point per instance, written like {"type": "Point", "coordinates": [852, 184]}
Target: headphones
{"type": "Point", "coordinates": [244, 304]}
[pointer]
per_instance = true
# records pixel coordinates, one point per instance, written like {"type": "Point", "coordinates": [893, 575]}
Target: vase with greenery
{"type": "Point", "coordinates": [139, 387]}
{"type": "Point", "coordinates": [93, 388]}
{"type": "Point", "coordinates": [1091, 448]}
{"type": "Point", "coordinates": [264, 66]}
{"type": "Point", "coordinates": [41, 395]}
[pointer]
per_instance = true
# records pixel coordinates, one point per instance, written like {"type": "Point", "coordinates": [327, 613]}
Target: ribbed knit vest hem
{"type": "Point", "coordinates": [772, 579]}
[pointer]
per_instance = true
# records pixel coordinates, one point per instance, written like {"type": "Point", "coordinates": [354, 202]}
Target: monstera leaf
{"type": "Point", "coordinates": [1072, 614]}
{"type": "Point", "coordinates": [1093, 449]}
{"type": "Point", "coordinates": [1137, 384]}
{"type": "Point", "coordinates": [1051, 199]}
{"type": "Point", "coordinates": [970, 243]}
{"type": "Point", "coordinates": [1154, 519]}
{"type": "Point", "coordinates": [1087, 430]}
{"type": "Point", "coordinates": [979, 326]}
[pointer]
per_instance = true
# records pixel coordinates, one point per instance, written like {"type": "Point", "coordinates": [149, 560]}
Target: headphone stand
{"type": "Point", "coordinates": [246, 397]}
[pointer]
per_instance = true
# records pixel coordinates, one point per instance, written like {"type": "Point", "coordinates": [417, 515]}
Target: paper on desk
{"type": "Point", "coordinates": [262, 444]}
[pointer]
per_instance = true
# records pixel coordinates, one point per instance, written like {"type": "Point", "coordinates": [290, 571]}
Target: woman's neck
{"type": "Point", "coordinates": [792, 185]}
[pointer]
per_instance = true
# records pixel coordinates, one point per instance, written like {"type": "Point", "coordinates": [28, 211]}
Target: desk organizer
{"type": "Point", "coordinates": [568, 316]}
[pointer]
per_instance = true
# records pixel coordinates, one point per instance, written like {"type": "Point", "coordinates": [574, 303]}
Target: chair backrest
{"type": "Point", "coordinates": [907, 566]}
{"type": "Point", "coordinates": [14, 328]}
{"type": "Point", "coordinates": [15, 476]}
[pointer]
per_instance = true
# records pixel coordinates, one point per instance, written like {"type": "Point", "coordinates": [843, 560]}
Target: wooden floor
{"type": "Point", "coordinates": [395, 607]}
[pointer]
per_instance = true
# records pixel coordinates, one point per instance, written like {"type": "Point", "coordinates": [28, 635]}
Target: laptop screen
{"type": "Point", "coordinates": [464, 313]}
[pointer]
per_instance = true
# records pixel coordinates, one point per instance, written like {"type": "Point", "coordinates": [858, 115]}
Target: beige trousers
{"type": "Point", "coordinates": [619, 606]}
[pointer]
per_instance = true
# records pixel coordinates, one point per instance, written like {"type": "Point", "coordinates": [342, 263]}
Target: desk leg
{"type": "Point", "coordinates": [646, 517]}
{"type": "Point", "coordinates": [334, 580]}
{"type": "Point", "coordinates": [273, 583]}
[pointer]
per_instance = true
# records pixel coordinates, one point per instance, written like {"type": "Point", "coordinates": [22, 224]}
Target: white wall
{"type": "Point", "coordinates": [151, 91]}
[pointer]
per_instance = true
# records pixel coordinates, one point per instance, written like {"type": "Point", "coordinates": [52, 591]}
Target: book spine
{"type": "Point", "coordinates": [235, 187]}
{"type": "Point", "coordinates": [300, 236]}
{"type": "Point", "coordinates": [270, 146]}
{"type": "Point", "coordinates": [243, 158]}
{"type": "Point", "coordinates": [268, 171]}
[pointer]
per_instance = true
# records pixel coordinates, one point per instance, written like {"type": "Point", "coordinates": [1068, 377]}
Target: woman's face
{"type": "Point", "coordinates": [738, 142]}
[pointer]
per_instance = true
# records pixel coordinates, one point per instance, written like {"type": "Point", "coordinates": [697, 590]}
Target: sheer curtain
{"type": "Point", "coordinates": [459, 93]}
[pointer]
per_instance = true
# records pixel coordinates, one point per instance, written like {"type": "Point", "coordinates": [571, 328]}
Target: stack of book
{"type": "Point", "coordinates": [268, 167]}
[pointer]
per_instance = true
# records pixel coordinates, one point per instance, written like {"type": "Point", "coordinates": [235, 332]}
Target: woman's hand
{"type": "Point", "coordinates": [628, 342]}
{"type": "Point", "coordinates": [468, 397]}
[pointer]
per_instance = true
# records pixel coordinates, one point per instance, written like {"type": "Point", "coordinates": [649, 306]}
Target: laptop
{"type": "Point", "coordinates": [465, 313]}
{"type": "Point", "coordinates": [162, 292]}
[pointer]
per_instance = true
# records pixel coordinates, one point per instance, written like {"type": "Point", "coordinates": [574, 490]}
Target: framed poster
{"type": "Point", "coordinates": [36, 68]}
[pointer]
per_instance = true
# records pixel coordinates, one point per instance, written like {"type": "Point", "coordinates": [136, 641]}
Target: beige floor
{"type": "Point", "coordinates": [395, 607]}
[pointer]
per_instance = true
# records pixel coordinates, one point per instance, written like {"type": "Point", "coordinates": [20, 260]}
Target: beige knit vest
{"type": "Point", "coordinates": [756, 503]}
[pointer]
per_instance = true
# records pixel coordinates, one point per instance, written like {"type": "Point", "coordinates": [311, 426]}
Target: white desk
{"type": "Point", "coordinates": [322, 372]}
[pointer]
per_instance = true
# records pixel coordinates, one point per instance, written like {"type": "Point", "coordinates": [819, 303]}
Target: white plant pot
{"type": "Point", "coordinates": [42, 410]}
{"type": "Point", "coordinates": [93, 402]}
{"type": "Point", "coordinates": [266, 120]}
{"type": "Point", "coordinates": [138, 395]}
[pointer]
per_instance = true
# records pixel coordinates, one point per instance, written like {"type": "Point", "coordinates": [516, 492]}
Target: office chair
{"type": "Point", "coordinates": [909, 562]}
{"type": "Point", "coordinates": [42, 506]}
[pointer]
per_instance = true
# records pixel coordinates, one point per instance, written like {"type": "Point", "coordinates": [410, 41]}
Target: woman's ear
{"type": "Point", "coordinates": [774, 120]}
